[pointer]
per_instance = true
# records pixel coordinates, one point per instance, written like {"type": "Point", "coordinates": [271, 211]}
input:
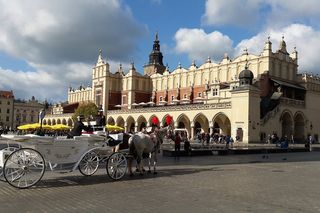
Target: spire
{"type": "Point", "coordinates": [208, 59]}
{"type": "Point", "coordinates": [283, 46]}
{"type": "Point", "coordinates": [156, 39]}
{"type": "Point", "coordinates": [100, 59]}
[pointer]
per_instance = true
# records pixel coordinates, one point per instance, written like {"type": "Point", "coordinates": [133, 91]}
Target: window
{"type": "Point", "coordinates": [0, 110]}
{"type": "Point", "coordinates": [8, 111]}
{"type": "Point", "coordinates": [185, 96]}
{"type": "Point", "coordinates": [24, 118]}
{"type": "Point", "coordinates": [172, 98]}
{"type": "Point", "coordinates": [7, 118]}
{"type": "Point", "coordinates": [31, 118]}
{"type": "Point", "coordinates": [160, 99]}
{"type": "Point", "coordinates": [214, 92]}
{"type": "Point", "coordinates": [199, 94]}
{"type": "Point", "coordinates": [8, 102]}
{"type": "Point", "coordinates": [0, 102]}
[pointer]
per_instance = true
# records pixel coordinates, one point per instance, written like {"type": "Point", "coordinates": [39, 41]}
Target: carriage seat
{"type": "Point", "coordinates": [115, 139]}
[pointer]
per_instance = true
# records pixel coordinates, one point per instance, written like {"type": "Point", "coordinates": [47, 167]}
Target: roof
{"type": "Point", "coordinates": [6, 94]}
{"type": "Point", "coordinates": [287, 84]}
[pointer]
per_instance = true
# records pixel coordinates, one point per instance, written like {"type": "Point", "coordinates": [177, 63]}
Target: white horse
{"type": "Point", "coordinates": [141, 143]}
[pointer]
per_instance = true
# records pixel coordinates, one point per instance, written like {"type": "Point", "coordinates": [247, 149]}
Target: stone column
{"type": "Point", "coordinates": [192, 129]}
{"type": "Point", "coordinates": [211, 126]}
{"type": "Point", "coordinates": [126, 127]}
{"type": "Point", "coordinates": [136, 127]}
{"type": "Point", "coordinates": [176, 124]}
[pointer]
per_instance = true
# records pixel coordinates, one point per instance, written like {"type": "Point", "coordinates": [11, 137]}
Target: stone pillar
{"type": "Point", "coordinates": [136, 127]}
{"type": "Point", "coordinates": [126, 127]}
{"type": "Point", "coordinates": [211, 126]}
{"type": "Point", "coordinates": [192, 129]}
{"type": "Point", "coordinates": [176, 124]}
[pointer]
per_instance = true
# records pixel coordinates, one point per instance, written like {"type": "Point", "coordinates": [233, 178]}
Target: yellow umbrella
{"type": "Point", "coordinates": [25, 127]}
{"type": "Point", "coordinates": [60, 127]}
{"type": "Point", "coordinates": [114, 127]}
{"type": "Point", "coordinates": [33, 126]}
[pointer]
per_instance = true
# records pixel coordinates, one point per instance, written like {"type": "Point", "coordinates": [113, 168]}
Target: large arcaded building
{"type": "Point", "coordinates": [250, 96]}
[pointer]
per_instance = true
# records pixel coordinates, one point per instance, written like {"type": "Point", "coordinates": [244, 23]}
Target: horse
{"type": "Point", "coordinates": [141, 144]}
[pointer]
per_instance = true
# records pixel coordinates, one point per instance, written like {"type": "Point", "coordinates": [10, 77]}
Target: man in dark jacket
{"type": "Point", "coordinates": [78, 127]}
{"type": "Point", "coordinates": [101, 119]}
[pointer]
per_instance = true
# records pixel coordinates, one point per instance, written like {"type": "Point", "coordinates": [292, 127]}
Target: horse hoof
{"type": "Point", "coordinates": [155, 173]}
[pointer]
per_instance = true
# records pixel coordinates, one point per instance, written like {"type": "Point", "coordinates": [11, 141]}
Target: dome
{"type": "Point", "coordinates": [246, 77]}
{"type": "Point", "coordinates": [246, 74]}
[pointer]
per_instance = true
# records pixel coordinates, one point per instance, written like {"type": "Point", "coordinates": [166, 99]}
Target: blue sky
{"type": "Point", "coordinates": [47, 46]}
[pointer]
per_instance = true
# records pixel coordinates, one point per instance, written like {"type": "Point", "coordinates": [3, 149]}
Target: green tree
{"type": "Point", "coordinates": [88, 110]}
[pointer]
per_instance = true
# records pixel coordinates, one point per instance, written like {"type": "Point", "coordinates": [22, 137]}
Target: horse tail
{"type": "Point", "coordinates": [132, 148]}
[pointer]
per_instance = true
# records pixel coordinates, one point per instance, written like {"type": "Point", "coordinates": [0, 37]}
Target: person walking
{"type": "Point", "coordinates": [177, 143]}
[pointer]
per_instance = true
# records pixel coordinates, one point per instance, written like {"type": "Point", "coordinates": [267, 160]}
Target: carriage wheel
{"type": "Point", "coordinates": [117, 166]}
{"type": "Point", "coordinates": [11, 149]}
{"type": "Point", "coordinates": [24, 168]}
{"type": "Point", "coordinates": [89, 163]}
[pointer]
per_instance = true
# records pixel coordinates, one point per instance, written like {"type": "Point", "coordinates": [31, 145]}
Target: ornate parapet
{"type": "Point", "coordinates": [224, 105]}
{"type": "Point", "coordinates": [292, 102]}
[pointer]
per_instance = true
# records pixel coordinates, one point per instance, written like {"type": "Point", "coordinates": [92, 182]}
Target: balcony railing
{"type": "Point", "coordinates": [168, 108]}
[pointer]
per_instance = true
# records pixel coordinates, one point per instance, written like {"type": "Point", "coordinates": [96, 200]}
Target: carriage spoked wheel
{"type": "Point", "coordinates": [117, 166]}
{"type": "Point", "coordinates": [89, 163]}
{"type": "Point", "coordinates": [24, 168]}
{"type": "Point", "coordinates": [9, 149]}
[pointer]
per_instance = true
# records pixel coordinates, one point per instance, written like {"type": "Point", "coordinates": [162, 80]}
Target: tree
{"type": "Point", "coordinates": [88, 110]}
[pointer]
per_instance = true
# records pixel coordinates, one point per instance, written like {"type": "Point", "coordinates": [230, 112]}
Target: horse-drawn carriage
{"type": "Point", "coordinates": [26, 158]}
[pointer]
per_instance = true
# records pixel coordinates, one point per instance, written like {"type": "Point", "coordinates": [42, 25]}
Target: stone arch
{"type": "Point", "coordinates": [183, 121]}
{"type": "Point", "coordinates": [70, 122]}
{"type": "Point", "coordinates": [44, 122]}
{"type": "Point", "coordinates": [64, 122]}
{"type": "Point", "coordinates": [141, 122]}
{"type": "Point", "coordinates": [286, 120]}
{"type": "Point", "coordinates": [111, 121]}
{"type": "Point", "coordinates": [120, 121]}
{"type": "Point", "coordinates": [221, 124]}
{"type": "Point", "coordinates": [201, 123]}
{"type": "Point", "coordinates": [130, 124]}
{"type": "Point", "coordinates": [54, 122]}
{"type": "Point", "coordinates": [299, 127]}
{"type": "Point", "coordinates": [58, 121]}
{"type": "Point", "coordinates": [163, 120]}
{"type": "Point", "coordinates": [151, 119]}
{"type": "Point", "coordinates": [49, 122]}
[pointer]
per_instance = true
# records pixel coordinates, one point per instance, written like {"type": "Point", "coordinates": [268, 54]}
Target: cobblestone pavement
{"type": "Point", "coordinates": [286, 182]}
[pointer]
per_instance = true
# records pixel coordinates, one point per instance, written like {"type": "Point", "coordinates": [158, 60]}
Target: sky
{"type": "Point", "coordinates": [48, 46]}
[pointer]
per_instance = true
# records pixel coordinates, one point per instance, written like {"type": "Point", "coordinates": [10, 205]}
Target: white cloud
{"type": "Point", "coordinates": [199, 45]}
{"type": "Point", "coordinates": [305, 38]}
{"type": "Point", "coordinates": [289, 11]}
{"type": "Point", "coordinates": [60, 39]}
{"type": "Point", "coordinates": [251, 13]}
{"type": "Point", "coordinates": [231, 12]}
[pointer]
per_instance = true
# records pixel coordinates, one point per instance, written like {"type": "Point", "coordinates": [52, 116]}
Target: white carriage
{"type": "Point", "coordinates": [24, 165]}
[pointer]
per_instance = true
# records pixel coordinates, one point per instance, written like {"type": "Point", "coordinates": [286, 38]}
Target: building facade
{"type": "Point", "coordinates": [14, 112]}
{"type": "Point", "coordinates": [26, 112]}
{"type": "Point", "coordinates": [6, 108]}
{"type": "Point", "coordinates": [249, 96]}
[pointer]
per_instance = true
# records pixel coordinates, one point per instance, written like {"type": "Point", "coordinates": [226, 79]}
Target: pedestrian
{"type": "Point", "coordinates": [177, 143]}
